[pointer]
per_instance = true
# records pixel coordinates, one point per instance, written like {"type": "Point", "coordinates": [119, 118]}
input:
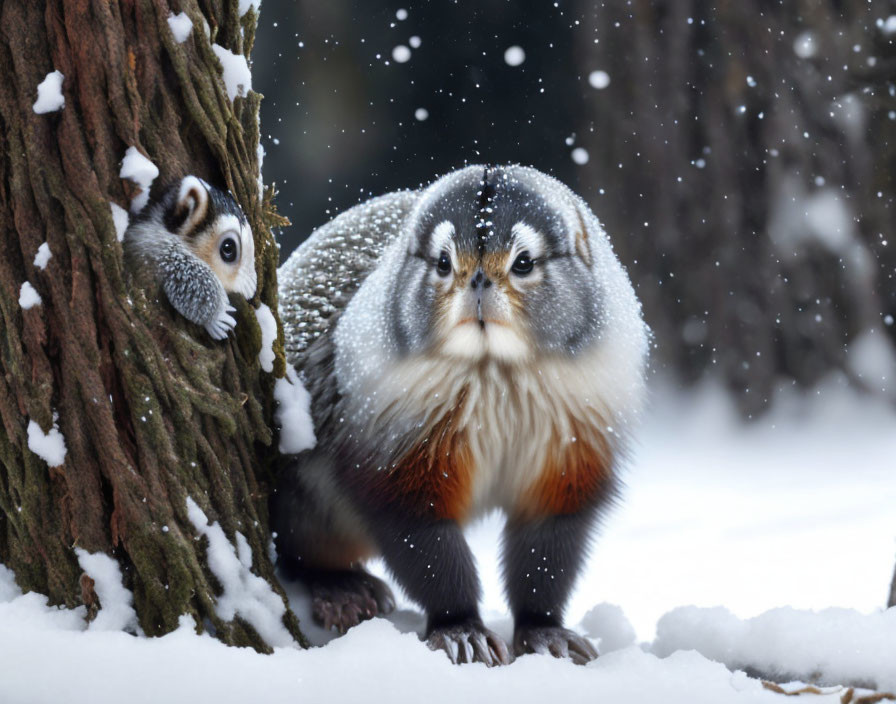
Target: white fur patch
{"type": "Point", "coordinates": [469, 341]}
{"type": "Point", "coordinates": [512, 413]}
{"type": "Point", "coordinates": [441, 240]}
{"type": "Point", "coordinates": [525, 239]}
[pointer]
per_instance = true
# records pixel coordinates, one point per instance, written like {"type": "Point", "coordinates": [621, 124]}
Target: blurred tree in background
{"type": "Point", "coordinates": [741, 154]}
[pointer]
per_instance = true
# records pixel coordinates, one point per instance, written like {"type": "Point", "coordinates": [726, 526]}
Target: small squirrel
{"type": "Point", "coordinates": [198, 245]}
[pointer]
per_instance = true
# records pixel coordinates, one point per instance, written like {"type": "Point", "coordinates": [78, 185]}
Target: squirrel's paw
{"type": "Point", "coordinates": [223, 322]}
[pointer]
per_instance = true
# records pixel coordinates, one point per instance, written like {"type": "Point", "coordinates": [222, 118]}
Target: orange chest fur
{"type": "Point", "coordinates": [436, 476]}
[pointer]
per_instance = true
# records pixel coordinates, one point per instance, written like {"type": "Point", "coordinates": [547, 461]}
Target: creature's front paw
{"type": "Point", "coordinates": [344, 598]}
{"type": "Point", "coordinates": [554, 640]}
{"type": "Point", "coordinates": [219, 326]}
{"type": "Point", "coordinates": [470, 642]}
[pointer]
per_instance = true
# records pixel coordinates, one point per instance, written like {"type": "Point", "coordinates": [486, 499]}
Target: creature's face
{"type": "Point", "coordinates": [498, 266]}
{"type": "Point", "coordinates": [216, 230]}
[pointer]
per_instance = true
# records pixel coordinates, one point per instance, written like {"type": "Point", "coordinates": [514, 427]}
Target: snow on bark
{"type": "Point", "coordinates": [246, 5]}
{"type": "Point", "coordinates": [43, 256]}
{"type": "Point", "coordinates": [28, 296]}
{"type": "Point", "coordinates": [49, 94]}
{"type": "Point", "coordinates": [236, 74]}
{"type": "Point", "coordinates": [50, 446]}
{"type": "Point", "coordinates": [259, 152]}
{"type": "Point", "coordinates": [244, 594]}
{"type": "Point", "coordinates": [120, 218]}
{"type": "Point", "coordinates": [293, 414]}
{"type": "Point", "coordinates": [116, 601]}
{"type": "Point", "coordinates": [181, 26]}
{"type": "Point", "coordinates": [268, 326]}
{"type": "Point", "coordinates": [141, 171]}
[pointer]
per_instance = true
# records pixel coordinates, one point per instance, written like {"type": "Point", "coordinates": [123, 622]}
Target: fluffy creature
{"type": "Point", "coordinates": [472, 346]}
{"type": "Point", "coordinates": [196, 243]}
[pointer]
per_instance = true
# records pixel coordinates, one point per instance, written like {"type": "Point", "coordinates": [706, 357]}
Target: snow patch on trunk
{"type": "Point", "coordinates": [244, 593]}
{"type": "Point", "coordinates": [259, 152]}
{"type": "Point", "coordinates": [236, 74]}
{"type": "Point", "coordinates": [43, 256]}
{"type": "Point", "coordinates": [50, 447]}
{"type": "Point", "coordinates": [246, 5]}
{"type": "Point", "coordinates": [49, 94]}
{"type": "Point", "coordinates": [180, 25]}
{"type": "Point", "coordinates": [116, 602]}
{"type": "Point", "coordinates": [120, 219]}
{"type": "Point", "coordinates": [293, 414]}
{"type": "Point", "coordinates": [268, 326]}
{"type": "Point", "coordinates": [141, 171]}
{"type": "Point", "coordinates": [28, 296]}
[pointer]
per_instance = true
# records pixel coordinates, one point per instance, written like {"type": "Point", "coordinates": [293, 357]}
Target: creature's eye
{"type": "Point", "coordinates": [522, 265]}
{"type": "Point", "coordinates": [444, 264]}
{"type": "Point", "coordinates": [229, 249]}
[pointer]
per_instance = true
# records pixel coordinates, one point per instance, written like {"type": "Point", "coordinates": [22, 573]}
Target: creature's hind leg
{"type": "Point", "coordinates": [321, 541]}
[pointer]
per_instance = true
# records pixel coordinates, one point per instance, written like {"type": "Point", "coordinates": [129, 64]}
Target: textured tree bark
{"type": "Point", "coordinates": [151, 409]}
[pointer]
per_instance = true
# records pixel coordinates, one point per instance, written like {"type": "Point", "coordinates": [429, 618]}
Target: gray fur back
{"type": "Point", "coordinates": [321, 276]}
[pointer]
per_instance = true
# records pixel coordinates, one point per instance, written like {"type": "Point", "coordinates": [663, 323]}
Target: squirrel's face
{"type": "Point", "coordinates": [216, 230]}
{"type": "Point", "coordinates": [498, 266]}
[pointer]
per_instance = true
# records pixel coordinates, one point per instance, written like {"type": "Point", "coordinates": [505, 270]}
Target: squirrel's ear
{"type": "Point", "coordinates": [192, 203]}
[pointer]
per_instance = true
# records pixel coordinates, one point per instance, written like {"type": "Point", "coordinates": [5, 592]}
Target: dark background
{"type": "Point", "coordinates": [741, 158]}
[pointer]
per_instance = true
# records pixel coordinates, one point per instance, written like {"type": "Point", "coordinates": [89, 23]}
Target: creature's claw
{"type": "Point", "coordinates": [554, 640]}
{"type": "Point", "coordinates": [470, 642]}
{"type": "Point", "coordinates": [343, 599]}
{"type": "Point", "coordinates": [219, 326]}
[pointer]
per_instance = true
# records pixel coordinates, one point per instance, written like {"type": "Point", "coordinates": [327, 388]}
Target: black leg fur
{"type": "Point", "coordinates": [432, 561]}
{"type": "Point", "coordinates": [541, 560]}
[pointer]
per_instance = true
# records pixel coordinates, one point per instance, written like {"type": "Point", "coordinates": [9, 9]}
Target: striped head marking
{"type": "Point", "coordinates": [498, 265]}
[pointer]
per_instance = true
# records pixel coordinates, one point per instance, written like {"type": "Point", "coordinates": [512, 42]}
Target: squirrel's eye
{"type": "Point", "coordinates": [444, 264]}
{"type": "Point", "coordinates": [522, 265]}
{"type": "Point", "coordinates": [229, 249]}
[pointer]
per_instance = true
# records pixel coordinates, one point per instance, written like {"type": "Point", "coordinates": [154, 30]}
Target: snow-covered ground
{"type": "Point", "coordinates": [795, 510]}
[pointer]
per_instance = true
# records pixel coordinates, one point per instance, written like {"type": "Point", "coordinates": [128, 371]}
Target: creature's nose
{"type": "Point", "coordinates": [478, 283]}
{"type": "Point", "coordinates": [480, 280]}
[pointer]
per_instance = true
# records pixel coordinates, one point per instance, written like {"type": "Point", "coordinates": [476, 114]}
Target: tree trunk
{"type": "Point", "coordinates": [152, 411]}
